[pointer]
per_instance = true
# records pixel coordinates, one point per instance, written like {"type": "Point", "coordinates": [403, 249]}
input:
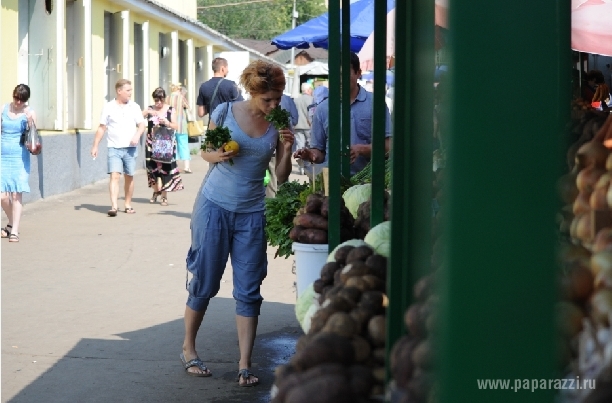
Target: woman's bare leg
{"type": "Point", "coordinates": [7, 207]}
{"type": "Point", "coordinates": [16, 211]}
{"type": "Point", "coordinates": [247, 330]}
{"type": "Point", "coordinates": [193, 321]}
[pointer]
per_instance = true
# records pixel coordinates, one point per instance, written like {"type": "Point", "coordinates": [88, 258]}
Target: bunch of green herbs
{"type": "Point", "coordinates": [215, 138]}
{"type": "Point", "coordinates": [280, 212]}
{"type": "Point", "coordinates": [279, 118]}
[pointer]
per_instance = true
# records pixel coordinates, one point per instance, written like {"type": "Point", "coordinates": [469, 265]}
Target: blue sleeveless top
{"type": "Point", "coordinates": [239, 188]}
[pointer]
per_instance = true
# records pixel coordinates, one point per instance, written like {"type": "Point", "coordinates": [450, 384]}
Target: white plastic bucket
{"type": "Point", "coordinates": [309, 259]}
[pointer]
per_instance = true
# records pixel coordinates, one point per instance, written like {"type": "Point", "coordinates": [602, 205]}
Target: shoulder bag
{"type": "Point", "coordinates": [195, 128]}
{"type": "Point", "coordinates": [211, 101]}
{"type": "Point", "coordinates": [162, 144]}
{"type": "Point", "coordinates": [30, 137]}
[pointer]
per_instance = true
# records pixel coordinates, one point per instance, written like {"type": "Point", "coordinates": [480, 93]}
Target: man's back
{"type": "Point", "coordinates": [302, 102]}
{"type": "Point", "coordinates": [227, 92]}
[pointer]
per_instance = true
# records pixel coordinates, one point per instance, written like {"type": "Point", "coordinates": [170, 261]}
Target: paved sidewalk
{"type": "Point", "coordinates": [92, 306]}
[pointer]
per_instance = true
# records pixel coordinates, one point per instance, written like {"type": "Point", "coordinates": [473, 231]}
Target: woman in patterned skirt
{"type": "Point", "coordinates": [15, 159]}
{"type": "Point", "coordinates": [162, 177]}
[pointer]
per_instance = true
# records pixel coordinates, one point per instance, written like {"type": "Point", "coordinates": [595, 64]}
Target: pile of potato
{"type": "Point", "coordinates": [310, 223]}
{"type": "Point", "coordinates": [342, 358]}
{"type": "Point", "coordinates": [412, 356]}
{"type": "Point", "coordinates": [362, 222]}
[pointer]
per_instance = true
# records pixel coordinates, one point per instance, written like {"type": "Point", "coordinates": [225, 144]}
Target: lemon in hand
{"type": "Point", "coordinates": [231, 146]}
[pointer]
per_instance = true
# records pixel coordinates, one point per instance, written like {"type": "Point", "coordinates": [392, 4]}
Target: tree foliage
{"type": "Point", "coordinates": [261, 20]}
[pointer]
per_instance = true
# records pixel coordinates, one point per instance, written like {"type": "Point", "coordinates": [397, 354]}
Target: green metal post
{"type": "Point", "coordinates": [345, 129]}
{"type": "Point", "coordinates": [507, 103]}
{"type": "Point", "coordinates": [378, 113]}
{"type": "Point", "coordinates": [334, 138]}
{"type": "Point", "coordinates": [412, 158]}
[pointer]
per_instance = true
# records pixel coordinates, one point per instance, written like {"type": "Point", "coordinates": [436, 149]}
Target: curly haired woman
{"type": "Point", "coordinates": [228, 216]}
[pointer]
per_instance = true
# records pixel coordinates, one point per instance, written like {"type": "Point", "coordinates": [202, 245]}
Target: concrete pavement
{"type": "Point", "coordinates": [92, 306]}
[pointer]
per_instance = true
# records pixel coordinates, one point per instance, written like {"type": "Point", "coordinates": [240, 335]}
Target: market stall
{"type": "Point", "coordinates": [424, 310]}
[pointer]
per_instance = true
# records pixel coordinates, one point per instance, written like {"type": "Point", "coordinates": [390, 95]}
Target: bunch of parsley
{"type": "Point", "coordinates": [280, 212]}
{"type": "Point", "coordinates": [216, 137]}
{"type": "Point", "coordinates": [279, 118]}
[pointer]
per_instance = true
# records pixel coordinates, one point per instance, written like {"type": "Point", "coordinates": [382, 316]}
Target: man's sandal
{"type": "Point", "coordinates": [196, 362]}
{"type": "Point", "coordinates": [246, 374]}
{"type": "Point", "coordinates": [6, 231]}
{"type": "Point", "coordinates": [13, 237]}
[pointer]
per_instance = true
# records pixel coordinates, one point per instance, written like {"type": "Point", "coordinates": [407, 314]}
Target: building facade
{"type": "Point", "coordinates": [71, 53]}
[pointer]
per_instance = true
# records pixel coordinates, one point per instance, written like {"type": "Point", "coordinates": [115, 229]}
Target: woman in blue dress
{"type": "Point", "coordinates": [228, 215]}
{"type": "Point", "coordinates": [15, 159]}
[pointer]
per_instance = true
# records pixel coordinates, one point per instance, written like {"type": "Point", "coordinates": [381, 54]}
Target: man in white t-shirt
{"type": "Point", "coordinates": [123, 122]}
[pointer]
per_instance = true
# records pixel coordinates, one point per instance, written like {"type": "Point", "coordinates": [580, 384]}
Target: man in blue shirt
{"type": "Point", "coordinates": [217, 90]}
{"type": "Point", "coordinates": [361, 126]}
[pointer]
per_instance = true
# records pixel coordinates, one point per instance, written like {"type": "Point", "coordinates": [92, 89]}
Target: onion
{"type": "Point", "coordinates": [588, 177]}
{"type": "Point", "coordinates": [609, 196]}
{"type": "Point", "coordinates": [601, 261]}
{"type": "Point", "coordinates": [584, 228]}
{"type": "Point", "coordinates": [566, 186]}
{"type": "Point", "coordinates": [580, 282]}
{"type": "Point", "coordinates": [592, 154]}
{"type": "Point", "coordinates": [582, 204]}
{"type": "Point", "coordinates": [604, 278]}
{"type": "Point", "coordinates": [604, 180]}
{"type": "Point", "coordinates": [574, 227]}
{"type": "Point", "coordinates": [603, 240]}
{"type": "Point", "coordinates": [601, 306]}
{"type": "Point", "coordinates": [599, 199]}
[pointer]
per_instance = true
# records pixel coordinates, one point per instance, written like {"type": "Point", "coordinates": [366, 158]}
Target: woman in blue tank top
{"type": "Point", "coordinates": [228, 215]}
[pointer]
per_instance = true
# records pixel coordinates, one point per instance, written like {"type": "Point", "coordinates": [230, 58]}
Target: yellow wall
{"type": "Point", "coordinates": [9, 24]}
{"type": "Point", "coordinates": [155, 27]}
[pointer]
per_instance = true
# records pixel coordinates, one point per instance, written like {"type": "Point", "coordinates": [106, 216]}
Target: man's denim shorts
{"type": "Point", "coordinates": [122, 160]}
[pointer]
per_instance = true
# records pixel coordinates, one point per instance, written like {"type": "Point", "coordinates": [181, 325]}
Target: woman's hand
{"type": "Point", "coordinates": [219, 155]}
{"type": "Point", "coordinates": [287, 139]}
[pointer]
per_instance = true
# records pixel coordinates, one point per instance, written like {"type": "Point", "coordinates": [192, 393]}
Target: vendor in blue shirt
{"type": "Point", "coordinates": [361, 126]}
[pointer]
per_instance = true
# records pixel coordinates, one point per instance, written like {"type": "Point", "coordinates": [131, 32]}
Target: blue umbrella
{"type": "Point", "coordinates": [315, 31]}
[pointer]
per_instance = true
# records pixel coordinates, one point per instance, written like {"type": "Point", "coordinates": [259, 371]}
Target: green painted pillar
{"type": "Point", "coordinates": [339, 112]}
{"type": "Point", "coordinates": [411, 183]}
{"type": "Point", "coordinates": [334, 138]}
{"type": "Point", "coordinates": [378, 113]}
{"type": "Point", "coordinates": [507, 101]}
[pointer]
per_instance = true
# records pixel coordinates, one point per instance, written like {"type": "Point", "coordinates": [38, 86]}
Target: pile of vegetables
{"type": "Point", "coordinates": [310, 222]}
{"type": "Point", "coordinates": [412, 356]}
{"type": "Point", "coordinates": [341, 358]}
{"type": "Point", "coordinates": [584, 312]}
{"type": "Point", "coordinates": [280, 212]}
